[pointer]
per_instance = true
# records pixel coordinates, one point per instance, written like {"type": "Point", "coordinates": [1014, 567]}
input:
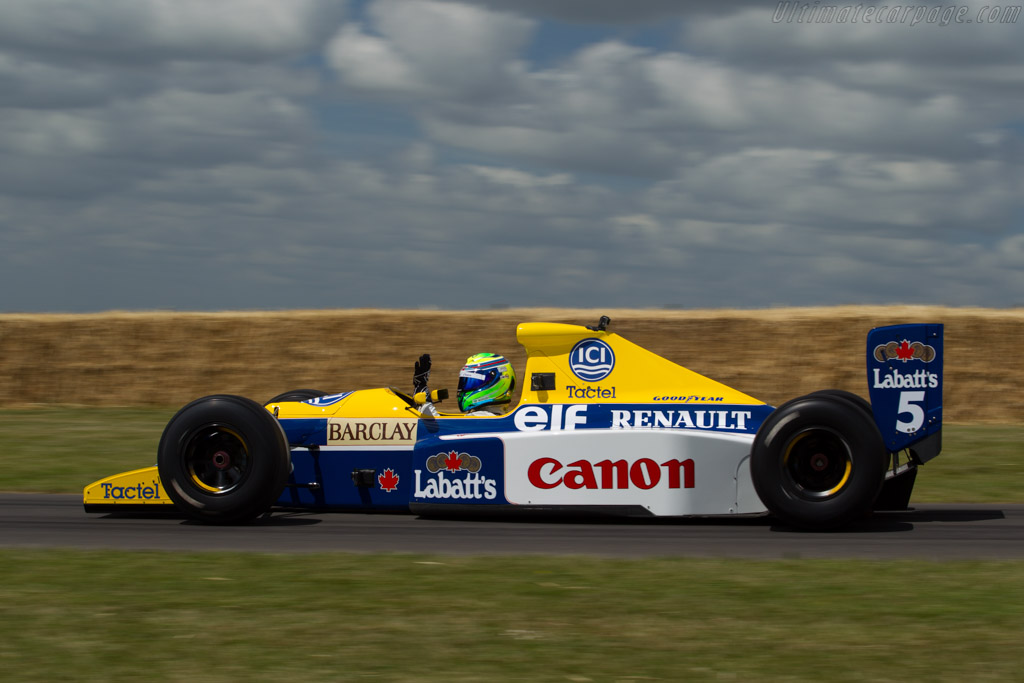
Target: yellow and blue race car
{"type": "Point", "coordinates": [602, 426]}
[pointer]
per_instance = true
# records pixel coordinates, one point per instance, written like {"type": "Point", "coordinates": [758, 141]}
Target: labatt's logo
{"type": "Point", "coordinates": [894, 379]}
{"type": "Point", "coordinates": [382, 432]}
{"type": "Point", "coordinates": [548, 473]}
{"type": "Point", "coordinates": [472, 486]}
{"type": "Point", "coordinates": [904, 351]}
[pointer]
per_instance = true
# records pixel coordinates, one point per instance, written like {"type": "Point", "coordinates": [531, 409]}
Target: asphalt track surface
{"type": "Point", "coordinates": [933, 532]}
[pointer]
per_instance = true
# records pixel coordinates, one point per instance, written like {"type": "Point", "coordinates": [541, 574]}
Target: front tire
{"type": "Point", "coordinates": [296, 395]}
{"type": "Point", "coordinates": [223, 459]}
{"type": "Point", "coordinates": [818, 462]}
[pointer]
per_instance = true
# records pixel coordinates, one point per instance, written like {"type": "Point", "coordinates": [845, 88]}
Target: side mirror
{"type": "Point", "coordinates": [436, 396]}
{"type": "Point", "coordinates": [542, 381]}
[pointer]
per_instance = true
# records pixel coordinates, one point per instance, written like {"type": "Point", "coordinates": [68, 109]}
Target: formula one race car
{"type": "Point", "coordinates": [603, 426]}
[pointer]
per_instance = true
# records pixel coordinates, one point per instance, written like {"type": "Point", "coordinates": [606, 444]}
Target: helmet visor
{"type": "Point", "coordinates": [471, 380]}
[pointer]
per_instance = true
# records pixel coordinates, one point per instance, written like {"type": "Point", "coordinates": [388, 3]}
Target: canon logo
{"type": "Point", "coordinates": [548, 473]}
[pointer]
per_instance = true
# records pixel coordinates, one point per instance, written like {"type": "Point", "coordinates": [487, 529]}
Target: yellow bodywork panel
{"type": "Point", "coordinates": [366, 403]}
{"type": "Point", "coordinates": [138, 487]}
{"type": "Point", "coordinates": [636, 375]}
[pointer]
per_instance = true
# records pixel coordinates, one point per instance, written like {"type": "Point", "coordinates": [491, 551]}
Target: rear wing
{"type": "Point", "coordinates": [905, 385]}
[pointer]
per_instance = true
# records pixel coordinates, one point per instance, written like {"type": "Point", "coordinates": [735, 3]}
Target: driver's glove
{"type": "Point", "coordinates": [421, 374]}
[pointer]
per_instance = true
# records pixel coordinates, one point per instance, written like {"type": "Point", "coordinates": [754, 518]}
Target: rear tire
{"type": "Point", "coordinates": [853, 398]}
{"type": "Point", "coordinates": [818, 461]}
{"type": "Point", "coordinates": [858, 401]}
{"type": "Point", "coordinates": [223, 459]}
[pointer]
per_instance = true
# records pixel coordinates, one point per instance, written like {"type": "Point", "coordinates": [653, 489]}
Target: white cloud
{"type": "Point", "coordinates": [834, 191]}
{"type": "Point", "coordinates": [521, 179]}
{"type": "Point", "coordinates": [446, 48]}
{"type": "Point", "coordinates": [52, 134]}
{"type": "Point", "coordinates": [617, 108]}
{"type": "Point", "coordinates": [370, 63]}
{"type": "Point", "coordinates": [704, 93]}
{"type": "Point", "coordinates": [616, 12]}
{"type": "Point", "coordinates": [754, 34]}
{"type": "Point", "coordinates": [149, 30]}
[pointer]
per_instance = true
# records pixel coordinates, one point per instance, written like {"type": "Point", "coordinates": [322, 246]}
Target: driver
{"type": "Point", "coordinates": [486, 383]}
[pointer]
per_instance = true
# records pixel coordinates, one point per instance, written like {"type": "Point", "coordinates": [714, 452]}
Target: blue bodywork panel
{"type": "Point", "coordinates": [905, 382]}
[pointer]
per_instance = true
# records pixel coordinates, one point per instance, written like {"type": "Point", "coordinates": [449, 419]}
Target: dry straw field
{"type": "Point", "coordinates": [167, 359]}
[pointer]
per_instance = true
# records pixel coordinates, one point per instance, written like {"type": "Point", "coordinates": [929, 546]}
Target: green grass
{"type": "Point", "coordinates": [978, 464]}
{"type": "Point", "coordinates": [67, 615]}
{"type": "Point", "coordinates": [61, 449]}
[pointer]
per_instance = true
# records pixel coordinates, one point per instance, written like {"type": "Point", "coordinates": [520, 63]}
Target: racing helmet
{"type": "Point", "coordinates": [486, 379]}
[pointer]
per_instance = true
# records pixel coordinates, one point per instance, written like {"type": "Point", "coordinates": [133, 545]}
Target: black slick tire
{"type": "Point", "coordinates": [296, 395]}
{"type": "Point", "coordinates": [223, 459]}
{"type": "Point", "coordinates": [853, 398]}
{"type": "Point", "coordinates": [818, 462]}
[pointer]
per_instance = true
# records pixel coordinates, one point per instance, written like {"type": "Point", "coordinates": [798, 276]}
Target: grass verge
{"type": "Point", "coordinates": [61, 449]}
{"type": "Point", "coordinates": [208, 617]}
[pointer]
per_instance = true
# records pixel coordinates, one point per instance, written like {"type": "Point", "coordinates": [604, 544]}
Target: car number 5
{"type": "Point", "coordinates": [909, 404]}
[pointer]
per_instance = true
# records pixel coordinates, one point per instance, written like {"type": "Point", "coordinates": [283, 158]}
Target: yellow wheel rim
{"type": "Point", "coordinates": [818, 462]}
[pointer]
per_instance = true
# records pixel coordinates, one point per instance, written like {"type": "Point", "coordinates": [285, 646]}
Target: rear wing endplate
{"type": "Point", "coordinates": [905, 384]}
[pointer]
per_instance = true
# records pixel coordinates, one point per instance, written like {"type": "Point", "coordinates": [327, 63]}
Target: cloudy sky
{"type": "Point", "coordinates": [263, 154]}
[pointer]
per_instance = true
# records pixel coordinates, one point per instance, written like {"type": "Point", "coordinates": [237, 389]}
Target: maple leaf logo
{"type": "Point", "coordinates": [388, 480]}
{"type": "Point", "coordinates": [904, 352]}
{"type": "Point", "coordinates": [453, 463]}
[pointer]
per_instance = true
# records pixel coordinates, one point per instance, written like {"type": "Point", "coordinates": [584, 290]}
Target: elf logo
{"type": "Point", "coordinates": [591, 360]}
{"type": "Point", "coordinates": [555, 418]}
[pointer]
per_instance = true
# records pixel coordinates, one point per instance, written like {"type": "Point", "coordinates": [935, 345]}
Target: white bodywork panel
{"type": "Point", "coordinates": [668, 472]}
